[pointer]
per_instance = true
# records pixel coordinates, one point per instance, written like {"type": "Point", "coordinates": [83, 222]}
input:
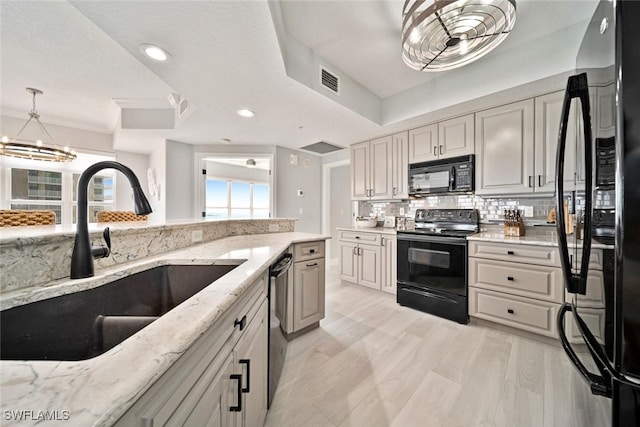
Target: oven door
{"type": "Point", "coordinates": [433, 262]}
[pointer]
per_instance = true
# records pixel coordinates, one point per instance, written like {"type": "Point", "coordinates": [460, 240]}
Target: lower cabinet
{"type": "Point", "coordinates": [522, 286]}
{"type": "Point", "coordinates": [221, 380]}
{"type": "Point", "coordinates": [302, 302]}
{"type": "Point", "coordinates": [368, 259]}
{"type": "Point", "coordinates": [308, 293]}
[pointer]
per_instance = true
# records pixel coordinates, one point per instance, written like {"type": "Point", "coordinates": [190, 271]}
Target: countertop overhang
{"type": "Point", "coordinates": [98, 391]}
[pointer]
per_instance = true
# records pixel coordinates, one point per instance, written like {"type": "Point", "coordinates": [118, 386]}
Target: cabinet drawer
{"type": "Point", "coordinates": [596, 261]}
{"type": "Point", "coordinates": [529, 254]}
{"type": "Point", "coordinates": [308, 250]}
{"type": "Point", "coordinates": [595, 291]}
{"type": "Point", "coordinates": [525, 280]}
{"type": "Point", "coordinates": [593, 317]}
{"type": "Point", "coordinates": [359, 237]}
{"type": "Point", "coordinates": [522, 313]}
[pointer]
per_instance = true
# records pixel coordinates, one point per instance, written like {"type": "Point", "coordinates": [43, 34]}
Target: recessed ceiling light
{"type": "Point", "coordinates": [244, 112]}
{"type": "Point", "coordinates": [154, 52]}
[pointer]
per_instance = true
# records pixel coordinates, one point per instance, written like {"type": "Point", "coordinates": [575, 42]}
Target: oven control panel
{"type": "Point", "coordinates": [453, 216]}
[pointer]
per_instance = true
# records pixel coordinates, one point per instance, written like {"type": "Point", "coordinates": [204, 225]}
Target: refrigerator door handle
{"type": "Point", "coordinates": [577, 87]}
{"type": "Point", "coordinates": [599, 384]}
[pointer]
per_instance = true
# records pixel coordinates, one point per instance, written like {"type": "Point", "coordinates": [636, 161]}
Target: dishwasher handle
{"type": "Point", "coordinates": [281, 266]}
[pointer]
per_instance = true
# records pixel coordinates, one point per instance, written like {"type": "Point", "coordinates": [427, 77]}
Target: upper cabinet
{"type": "Point", "coordinates": [605, 111]}
{"type": "Point", "coordinates": [548, 114]}
{"type": "Point", "coordinates": [400, 166]}
{"type": "Point", "coordinates": [449, 138]}
{"type": "Point", "coordinates": [504, 149]}
{"type": "Point", "coordinates": [379, 168]}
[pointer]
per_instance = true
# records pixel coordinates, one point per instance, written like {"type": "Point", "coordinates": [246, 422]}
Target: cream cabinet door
{"type": "Point", "coordinates": [456, 137]}
{"type": "Point", "coordinates": [380, 168]}
{"type": "Point", "coordinates": [423, 144]}
{"type": "Point", "coordinates": [594, 105]}
{"type": "Point", "coordinates": [548, 114]}
{"type": "Point", "coordinates": [213, 409]}
{"type": "Point", "coordinates": [389, 264]}
{"type": "Point", "coordinates": [505, 149]}
{"type": "Point", "coordinates": [606, 126]}
{"type": "Point", "coordinates": [251, 362]}
{"type": "Point", "coordinates": [369, 268]}
{"type": "Point", "coordinates": [308, 293]}
{"type": "Point", "coordinates": [348, 261]}
{"type": "Point", "coordinates": [400, 166]}
{"type": "Point", "coordinates": [360, 159]}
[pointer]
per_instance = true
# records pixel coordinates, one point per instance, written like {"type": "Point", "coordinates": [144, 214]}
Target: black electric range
{"type": "Point", "coordinates": [432, 262]}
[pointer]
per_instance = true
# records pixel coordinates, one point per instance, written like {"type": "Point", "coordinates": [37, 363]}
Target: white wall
{"type": "Point", "coordinates": [157, 162]}
{"type": "Point", "coordinates": [233, 172]}
{"type": "Point", "coordinates": [291, 178]}
{"type": "Point", "coordinates": [180, 188]}
{"type": "Point", "coordinates": [138, 163]}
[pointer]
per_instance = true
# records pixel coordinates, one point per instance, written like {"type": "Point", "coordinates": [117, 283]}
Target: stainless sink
{"type": "Point", "coordinates": [85, 324]}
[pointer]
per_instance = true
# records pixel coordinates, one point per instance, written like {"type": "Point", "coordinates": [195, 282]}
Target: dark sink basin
{"type": "Point", "coordinates": [85, 324]}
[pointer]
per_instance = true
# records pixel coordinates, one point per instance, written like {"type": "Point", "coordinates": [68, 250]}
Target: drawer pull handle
{"type": "Point", "coordinates": [357, 237]}
{"type": "Point", "coordinates": [312, 251]}
{"type": "Point", "coordinates": [242, 322]}
{"type": "Point", "coordinates": [510, 311]}
{"type": "Point", "coordinates": [510, 278]}
{"type": "Point", "coordinates": [510, 253]}
{"type": "Point", "coordinates": [315, 264]}
{"type": "Point", "coordinates": [238, 378]}
{"type": "Point", "coordinates": [248, 363]}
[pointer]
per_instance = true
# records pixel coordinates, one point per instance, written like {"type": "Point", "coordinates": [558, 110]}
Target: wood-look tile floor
{"type": "Point", "coordinates": [375, 363]}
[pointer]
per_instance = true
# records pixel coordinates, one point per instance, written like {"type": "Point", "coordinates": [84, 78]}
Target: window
{"type": "Point", "coordinates": [36, 185]}
{"type": "Point", "coordinates": [236, 199]}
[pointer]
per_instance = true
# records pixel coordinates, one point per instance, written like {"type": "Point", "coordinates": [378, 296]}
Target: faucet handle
{"type": "Point", "coordinates": [103, 252]}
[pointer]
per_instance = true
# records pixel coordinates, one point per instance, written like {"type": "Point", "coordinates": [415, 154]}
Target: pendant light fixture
{"type": "Point", "coordinates": [439, 35]}
{"type": "Point", "coordinates": [35, 150]}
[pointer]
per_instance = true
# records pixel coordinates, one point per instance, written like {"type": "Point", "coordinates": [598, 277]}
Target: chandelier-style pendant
{"type": "Point", "coordinates": [35, 150]}
{"type": "Point", "coordinates": [439, 35]}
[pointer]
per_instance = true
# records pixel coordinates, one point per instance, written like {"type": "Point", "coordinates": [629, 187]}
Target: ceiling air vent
{"type": "Point", "coordinates": [183, 106]}
{"type": "Point", "coordinates": [329, 80]}
{"type": "Point", "coordinates": [322, 147]}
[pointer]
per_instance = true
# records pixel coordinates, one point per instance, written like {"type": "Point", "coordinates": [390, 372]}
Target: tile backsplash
{"type": "Point", "coordinates": [490, 209]}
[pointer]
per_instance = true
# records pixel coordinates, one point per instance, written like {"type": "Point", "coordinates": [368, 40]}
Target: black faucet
{"type": "Point", "coordinates": [83, 254]}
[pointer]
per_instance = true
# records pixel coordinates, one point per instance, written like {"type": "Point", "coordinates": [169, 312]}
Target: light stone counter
{"type": "Point", "coordinates": [96, 392]}
{"type": "Point", "coordinates": [379, 230]}
{"type": "Point", "coordinates": [546, 239]}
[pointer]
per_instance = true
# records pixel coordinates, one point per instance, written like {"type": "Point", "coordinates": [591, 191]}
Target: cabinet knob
{"type": "Point", "coordinates": [510, 311]}
{"type": "Point", "coordinates": [510, 253]}
{"type": "Point", "coordinates": [510, 278]}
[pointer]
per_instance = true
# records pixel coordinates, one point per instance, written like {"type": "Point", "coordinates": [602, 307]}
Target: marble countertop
{"type": "Point", "coordinates": [53, 232]}
{"type": "Point", "coordinates": [380, 230]}
{"type": "Point", "coordinates": [98, 391]}
{"type": "Point", "coordinates": [542, 239]}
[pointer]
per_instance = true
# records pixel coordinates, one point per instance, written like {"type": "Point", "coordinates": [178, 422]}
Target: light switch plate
{"type": "Point", "coordinates": [528, 211]}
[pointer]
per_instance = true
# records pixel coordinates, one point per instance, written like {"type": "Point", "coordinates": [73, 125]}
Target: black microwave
{"type": "Point", "coordinates": [454, 175]}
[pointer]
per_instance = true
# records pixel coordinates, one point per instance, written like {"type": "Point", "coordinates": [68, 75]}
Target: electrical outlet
{"type": "Point", "coordinates": [528, 211]}
{"type": "Point", "coordinates": [300, 211]}
{"type": "Point", "coordinates": [273, 228]}
{"type": "Point", "coordinates": [196, 236]}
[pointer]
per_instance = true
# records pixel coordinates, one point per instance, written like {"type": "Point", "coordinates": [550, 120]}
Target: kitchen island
{"type": "Point", "coordinates": [99, 391]}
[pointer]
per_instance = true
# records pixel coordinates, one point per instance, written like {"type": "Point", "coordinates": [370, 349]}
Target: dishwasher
{"type": "Point", "coordinates": [277, 295]}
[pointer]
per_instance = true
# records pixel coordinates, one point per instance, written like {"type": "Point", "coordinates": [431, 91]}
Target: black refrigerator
{"type": "Point", "coordinates": [608, 64]}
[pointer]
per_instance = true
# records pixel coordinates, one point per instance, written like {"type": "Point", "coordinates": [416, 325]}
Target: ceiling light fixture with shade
{"type": "Point", "coordinates": [439, 35]}
{"type": "Point", "coordinates": [35, 150]}
{"type": "Point", "coordinates": [251, 163]}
